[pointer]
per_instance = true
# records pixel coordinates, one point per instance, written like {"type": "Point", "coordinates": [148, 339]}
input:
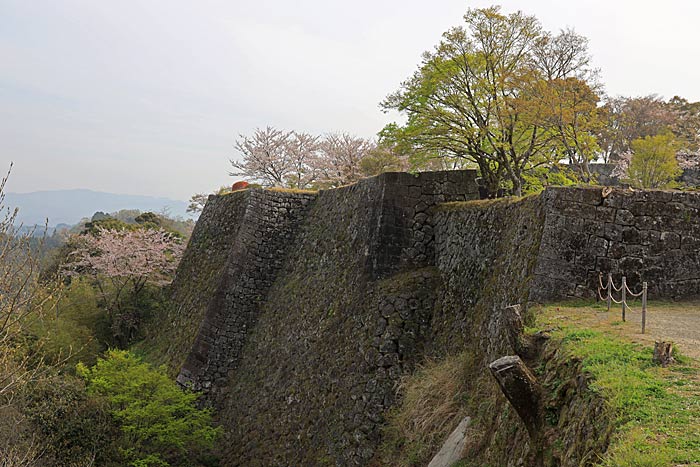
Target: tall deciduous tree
{"type": "Point", "coordinates": [265, 156]}
{"type": "Point", "coordinates": [475, 95]}
{"type": "Point", "coordinates": [572, 117]}
{"type": "Point", "coordinates": [653, 163]}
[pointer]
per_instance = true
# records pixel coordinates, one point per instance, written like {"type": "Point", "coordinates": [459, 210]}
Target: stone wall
{"type": "Point", "coordinates": [405, 236]}
{"type": "Point", "coordinates": [554, 245]}
{"type": "Point", "coordinates": [689, 177]}
{"type": "Point", "coordinates": [299, 313]}
{"type": "Point", "coordinates": [486, 255]}
{"type": "Point", "coordinates": [348, 315]}
{"type": "Point", "coordinates": [265, 229]}
{"type": "Point", "coordinates": [198, 277]}
{"type": "Point", "coordinates": [645, 235]}
{"type": "Point", "coordinates": [243, 254]}
{"type": "Point", "coordinates": [604, 174]}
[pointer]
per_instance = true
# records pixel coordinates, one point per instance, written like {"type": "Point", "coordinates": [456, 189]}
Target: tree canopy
{"type": "Point", "coordinates": [653, 163]}
{"type": "Point", "coordinates": [300, 160]}
{"type": "Point", "coordinates": [501, 93]}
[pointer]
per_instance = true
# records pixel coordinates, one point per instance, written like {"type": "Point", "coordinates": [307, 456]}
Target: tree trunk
{"type": "Point", "coordinates": [522, 390]}
{"type": "Point", "coordinates": [517, 186]}
{"type": "Point", "coordinates": [662, 353]}
{"type": "Point", "coordinates": [586, 170]}
{"type": "Point", "coordinates": [491, 181]}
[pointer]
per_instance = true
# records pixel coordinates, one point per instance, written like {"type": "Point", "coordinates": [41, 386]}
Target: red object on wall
{"type": "Point", "coordinates": [239, 186]}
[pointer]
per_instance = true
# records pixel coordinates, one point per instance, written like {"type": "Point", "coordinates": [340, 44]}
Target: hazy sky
{"type": "Point", "coordinates": [148, 96]}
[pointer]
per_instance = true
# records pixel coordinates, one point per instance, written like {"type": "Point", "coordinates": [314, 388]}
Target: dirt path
{"type": "Point", "coordinates": [677, 322]}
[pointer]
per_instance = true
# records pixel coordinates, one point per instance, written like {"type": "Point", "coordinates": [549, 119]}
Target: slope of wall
{"type": "Point", "coordinates": [266, 230]}
{"type": "Point", "coordinates": [197, 279]}
{"type": "Point", "coordinates": [340, 326]}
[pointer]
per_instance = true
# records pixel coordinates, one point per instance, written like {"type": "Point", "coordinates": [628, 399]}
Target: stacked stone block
{"type": "Point", "coordinates": [645, 235]}
{"type": "Point", "coordinates": [265, 230]}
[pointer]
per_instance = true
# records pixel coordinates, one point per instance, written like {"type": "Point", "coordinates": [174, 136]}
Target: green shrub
{"type": "Point", "coordinates": [74, 427]}
{"type": "Point", "coordinates": [75, 328]}
{"type": "Point", "coordinates": [160, 423]}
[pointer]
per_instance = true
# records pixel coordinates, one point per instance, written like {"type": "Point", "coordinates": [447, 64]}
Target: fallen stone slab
{"type": "Point", "coordinates": [451, 450]}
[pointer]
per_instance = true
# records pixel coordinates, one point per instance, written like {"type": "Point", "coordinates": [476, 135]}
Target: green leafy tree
{"type": "Point", "coordinates": [382, 159]}
{"type": "Point", "coordinates": [569, 110]}
{"type": "Point", "coordinates": [653, 163]}
{"type": "Point", "coordinates": [477, 96]}
{"type": "Point", "coordinates": [108, 223]}
{"type": "Point", "coordinates": [160, 423]}
{"type": "Point", "coordinates": [76, 429]}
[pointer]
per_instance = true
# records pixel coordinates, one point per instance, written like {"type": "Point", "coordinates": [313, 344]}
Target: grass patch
{"type": "Point", "coordinates": [656, 410]}
{"type": "Point", "coordinates": [291, 190]}
{"type": "Point", "coordinates": [433, 404]}
{"type": "Point", "coordinates": [482, 203]}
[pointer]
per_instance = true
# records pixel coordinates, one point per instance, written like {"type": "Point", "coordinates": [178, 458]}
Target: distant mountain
{"type": "Point", "coordinates": [69, 206]}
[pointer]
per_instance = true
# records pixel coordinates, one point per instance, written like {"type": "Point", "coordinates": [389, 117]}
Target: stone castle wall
{"type": "Point", "coordinates": [299, 313]}
{"type": "Point", "coordinates": [486, 255]}
{"type": "Point", "coordinates": [645, 235]}
{"type": "Point", "coordinates": [266, 229]}
{"type": "Point", "coordinates": [311, 289]}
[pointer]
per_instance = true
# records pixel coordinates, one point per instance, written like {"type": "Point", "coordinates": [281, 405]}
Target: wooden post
{"type": "Point", "coordinates": [624, 297]}
{"type": "Point", "coordinates": [644, 307]}
{"type": "Point", "coordinates": [609, 291]}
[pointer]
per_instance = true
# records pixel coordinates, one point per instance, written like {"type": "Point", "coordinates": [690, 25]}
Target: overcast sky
{"type": "Point", "coordinates": [148, 96]}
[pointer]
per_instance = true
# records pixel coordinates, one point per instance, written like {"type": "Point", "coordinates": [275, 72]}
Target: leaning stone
{"type": "Point", "coordinates": [451, 450]}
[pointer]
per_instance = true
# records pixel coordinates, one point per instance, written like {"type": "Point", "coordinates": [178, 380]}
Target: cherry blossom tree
{"type": "Point", "coordinates": [303, 156]}
{"type": "Point", "coordinates": [265, 156]}
{"type": "Point", "coordinates": [123, 263]}
{"type": "Point", "coordinates": [298, 160]}
{"type": "Point", "coordinates": [341, 157]}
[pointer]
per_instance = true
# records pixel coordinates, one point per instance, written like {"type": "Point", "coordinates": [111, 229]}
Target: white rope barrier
{"type": "Point", "coordinates": [624, 290]}
{"type": "Point", "coordinates": [634, 294]}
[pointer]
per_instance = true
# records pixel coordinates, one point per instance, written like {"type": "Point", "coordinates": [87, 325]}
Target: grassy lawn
{"type": "Point", "coordinates": [657, 410]}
